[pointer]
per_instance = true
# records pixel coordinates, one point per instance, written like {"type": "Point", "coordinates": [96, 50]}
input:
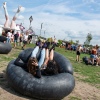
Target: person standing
{"type": "Point", "coordinates": [21, 39]}
{"type": "Point", "coordinates": [78, 51]}
{"type": "Point", "coordinates": [25, 40]}
{"type": "Point", "coordinates": [15, 39]}
{"type": "Point", "coordinates": [9, 34]}
{"type": "Point", "coordinates": [3, 37]}
{"type": "Point", "coordinates": [66, 46]}
{"type": "Point", "coordinates": [12, 37]}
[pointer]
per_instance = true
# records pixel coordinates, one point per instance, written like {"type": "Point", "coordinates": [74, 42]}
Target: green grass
{"type": "Point", "coordinates": [5, 58]}
{"type": "Point", "coordinates": [74, 98]}
{"type": "Point", "coordinates": [88, 73]}
{"type": "Point", "coordinates": [91, 73]}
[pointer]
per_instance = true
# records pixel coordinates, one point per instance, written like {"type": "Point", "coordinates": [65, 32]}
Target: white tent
{"type": "Point", "coordinates": [1, 29]}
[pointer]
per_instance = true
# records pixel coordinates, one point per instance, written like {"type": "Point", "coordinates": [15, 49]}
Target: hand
{"type": "Point", "coordinates": [34, 63]}
{"type": "Point", "coordinates": [44, 66]}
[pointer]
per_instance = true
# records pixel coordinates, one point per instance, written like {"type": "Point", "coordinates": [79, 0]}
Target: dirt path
{"type": "Point", "coordinates": [84, 91]}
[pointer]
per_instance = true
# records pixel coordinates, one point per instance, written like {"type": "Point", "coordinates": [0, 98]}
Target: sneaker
{"type": "Point", "coordinates": [48, 45]}
{"type": "Point", "coordinates": [4, 4]}
{"type": "Point", "coordinates": [43, 67]}
{"type": "Point", "coordinates": [19, 8]}
{"type": "Point", "coordinates": [44, 45]}
{"type": "Point", "coordinates": [96, 65]}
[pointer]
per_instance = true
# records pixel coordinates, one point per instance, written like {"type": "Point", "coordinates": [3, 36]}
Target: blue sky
{"type": "Point", "coordinates": [66, 19]}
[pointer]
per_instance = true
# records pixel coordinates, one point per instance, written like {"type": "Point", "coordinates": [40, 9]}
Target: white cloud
{"type": "Point", "coordinates": [55, 8]}
{"type": "Point", "coordinates": [75, 30]}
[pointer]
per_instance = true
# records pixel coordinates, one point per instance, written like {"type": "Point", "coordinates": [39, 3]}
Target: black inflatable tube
{"type": "Point", "coordinates": [5, 48]}
{"type": "Point", "coordinates": [53, 87]}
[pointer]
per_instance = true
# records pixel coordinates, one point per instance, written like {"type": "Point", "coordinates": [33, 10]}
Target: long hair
{"type": "Point", "coordinates": [52, 68]}
{"type": "Point", "coordinates": [32, 68]}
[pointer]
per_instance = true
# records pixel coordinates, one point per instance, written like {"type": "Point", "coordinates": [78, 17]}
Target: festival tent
{"type": "Point", "coordinates": [1, 29]}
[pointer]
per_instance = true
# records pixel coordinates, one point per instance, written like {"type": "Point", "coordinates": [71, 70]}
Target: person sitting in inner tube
{"type": "Point", "coordinates": [33, 64]}
{"type": "Point", "coordinates": [25, 65]}
{"type": "Point", "coordinates": [46, 65]}
{"type": "Point", "coordinates": [3, 38]}
{"type": "Point", "coordinates": [50, 65]}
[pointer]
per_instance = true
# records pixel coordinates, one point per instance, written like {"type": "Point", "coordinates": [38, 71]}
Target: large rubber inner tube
{"type": "Point", "coordinates": [5, 48]}
{"type": "Point", "coordinates": [53, 87]}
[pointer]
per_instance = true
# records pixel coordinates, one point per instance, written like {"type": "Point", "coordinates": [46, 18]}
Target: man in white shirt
{"type": "Point", "coordinates": [9, 36]}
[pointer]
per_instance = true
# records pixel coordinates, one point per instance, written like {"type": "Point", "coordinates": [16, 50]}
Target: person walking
{"type": "Point", "coordinates": [25, 40]}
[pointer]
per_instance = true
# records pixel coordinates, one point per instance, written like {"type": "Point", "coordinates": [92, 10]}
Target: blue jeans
{"type": "Point", "coordinates": [92, 56]}
{"type": "Point", "coordinates": [42, 55]}
{"type": "Point", "coordinates": [8, 40]}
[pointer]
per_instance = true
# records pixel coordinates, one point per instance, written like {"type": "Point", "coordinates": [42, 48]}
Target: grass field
{"type": "Point", "coordinates": [91, 73]}
{"type": "Point", "coordinates": [84, 74]}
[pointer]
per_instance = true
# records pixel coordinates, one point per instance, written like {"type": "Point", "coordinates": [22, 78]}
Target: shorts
{"type": "Point", "coordinates": [25, 42]}
{"type": "Point", "coordinates": [15, 41]}
{"type": "Point", "coordinates": [78, 53]}
{"type": "Point", "coordinates": [20, 39]}
{"type": "Point", "coordinates": [92, 56]}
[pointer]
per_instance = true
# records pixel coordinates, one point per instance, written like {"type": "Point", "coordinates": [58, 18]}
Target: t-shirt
{"type": "Point", "coordinates": [25, 37]}
{"type": "Point", "coordinates": [16, 36]}
{"type": "Point", "coordinates": [9, 34]}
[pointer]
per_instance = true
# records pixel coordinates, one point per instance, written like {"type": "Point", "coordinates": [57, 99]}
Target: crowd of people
{"type": "Point", "coordinates": [46, 64]}
{"type": "Point", "coordinates": [9, 33]}
{"type": "Point", "coordinates": [15, 37]}
{"type": "Point", "coordinates": [95, 55]}
{"type": "Point", "coordinates": [93, 51]}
